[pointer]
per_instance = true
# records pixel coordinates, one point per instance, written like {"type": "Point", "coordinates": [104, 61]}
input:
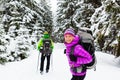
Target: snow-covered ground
{"type": "Point", "coordinates": [107, 68]}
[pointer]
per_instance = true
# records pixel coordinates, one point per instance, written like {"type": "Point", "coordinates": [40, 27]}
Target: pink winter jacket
{"type": "Point", "coordinates": [82, 55]}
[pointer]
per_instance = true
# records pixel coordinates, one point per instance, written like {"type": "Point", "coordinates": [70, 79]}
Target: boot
{"type": "Point", "coordinates": [41, 72]}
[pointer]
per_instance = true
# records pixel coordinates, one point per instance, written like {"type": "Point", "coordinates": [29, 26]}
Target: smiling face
{"type": "Point", "coordinates": [68, 38]}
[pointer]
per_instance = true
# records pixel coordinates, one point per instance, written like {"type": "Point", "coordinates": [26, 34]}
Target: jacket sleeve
{"type": "Point", "coordinates": [83, 57]}
{"type": "Point", "coordinates": [40, 43]}
{"type": "Point", "coordinates": [52, 44]}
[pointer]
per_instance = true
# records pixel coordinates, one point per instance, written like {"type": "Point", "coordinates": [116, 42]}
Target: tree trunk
{"type": "Point", "coordinates": [118, 48]}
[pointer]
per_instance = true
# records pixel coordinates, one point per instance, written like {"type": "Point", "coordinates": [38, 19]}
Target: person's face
{"type": "Point", "coordinates": [68, 38]}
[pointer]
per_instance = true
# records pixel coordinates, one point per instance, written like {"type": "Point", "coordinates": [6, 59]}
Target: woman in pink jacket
{"type": "Point", "coordinates": [79, 56]}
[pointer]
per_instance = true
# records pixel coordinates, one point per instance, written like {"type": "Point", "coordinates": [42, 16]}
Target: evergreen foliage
{"type": "Point", "coordinates": [22, 23]}
{"type": "Point", "coordinates": [105, 22]}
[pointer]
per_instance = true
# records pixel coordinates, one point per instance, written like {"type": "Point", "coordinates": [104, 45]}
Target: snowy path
{"type": "Point", "coordinates": [26, 69]}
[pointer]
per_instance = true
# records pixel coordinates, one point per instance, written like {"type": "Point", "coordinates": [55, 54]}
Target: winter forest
{"type": "Point", "coordinates": [22, 23]}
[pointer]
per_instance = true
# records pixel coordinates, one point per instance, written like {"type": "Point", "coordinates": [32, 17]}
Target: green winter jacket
{"type": "Point", "coordinates": [40, 43]}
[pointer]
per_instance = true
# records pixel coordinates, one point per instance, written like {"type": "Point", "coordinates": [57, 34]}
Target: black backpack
{"type": "Point", "coordinates": [46, 46]}
{"type": "Point", "coordinates": [87, 42]}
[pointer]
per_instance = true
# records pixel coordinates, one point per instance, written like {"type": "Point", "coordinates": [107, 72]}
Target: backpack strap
{"type": "Point", "coordinates": [72, 50]}
{"type": "Point", "coordinates": [71, 56]}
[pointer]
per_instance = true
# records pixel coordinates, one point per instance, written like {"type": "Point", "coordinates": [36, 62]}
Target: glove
{"type": "Point", "coordinates": [41, 49]}
{"type": "Point", "coordinates": [73, 58]}
{"type": "Point", "coordinates": [64, 51]}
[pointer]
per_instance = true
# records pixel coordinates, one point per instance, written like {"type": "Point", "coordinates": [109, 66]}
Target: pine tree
{"type": "Point", "coordinates": [47, 19]}
{"type": "Point", "coordinates": [23, 22]}
{"type": "Point", "coordinates": [3, 45]}
{"type": "Point", "coordinates": [75, 14]}
{"type": "Point", "coordinates": [84, 11]}
{"type": "Point", "coordinates": [105, 21]}
{"type": "Point", "coordinates": [65, 12]}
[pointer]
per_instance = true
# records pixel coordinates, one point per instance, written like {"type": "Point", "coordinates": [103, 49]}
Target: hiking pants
{"type": "Point", "coordinates": [78, 77]}
{"type": "Point", "coordinates": [42, 62]}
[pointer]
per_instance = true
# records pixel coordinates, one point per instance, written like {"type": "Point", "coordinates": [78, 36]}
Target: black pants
{"type": "Point", "coordinates": [78, 77]}
{"type": "Point", "coordinates": [42, 62]}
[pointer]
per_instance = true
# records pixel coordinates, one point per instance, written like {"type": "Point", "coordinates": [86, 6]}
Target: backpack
{"type": "Point", "coordinates": [87, 42]}
{"type": "Point", "coordinates": [46, 46]}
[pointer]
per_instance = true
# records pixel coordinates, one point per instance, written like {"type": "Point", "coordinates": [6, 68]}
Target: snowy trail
{"type": "Point", "coordinates": [26, 69]}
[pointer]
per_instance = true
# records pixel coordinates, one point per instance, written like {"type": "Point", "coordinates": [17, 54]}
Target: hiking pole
{"type": "Point", "coordinates": [51, 61]}
{"type": "Point", "coordinates": [38, 61]}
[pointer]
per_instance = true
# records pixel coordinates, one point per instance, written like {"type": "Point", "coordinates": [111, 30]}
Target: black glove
{"type": "Point", "coordinates": [64, 51]}
{"type": "Point", "coordinates": [73, 58]}
{"type": "Point", "coordinates": [41, 50]}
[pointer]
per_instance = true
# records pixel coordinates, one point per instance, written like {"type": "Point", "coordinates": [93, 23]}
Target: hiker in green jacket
{"type": "Point", "coordinates": [45, 46]}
